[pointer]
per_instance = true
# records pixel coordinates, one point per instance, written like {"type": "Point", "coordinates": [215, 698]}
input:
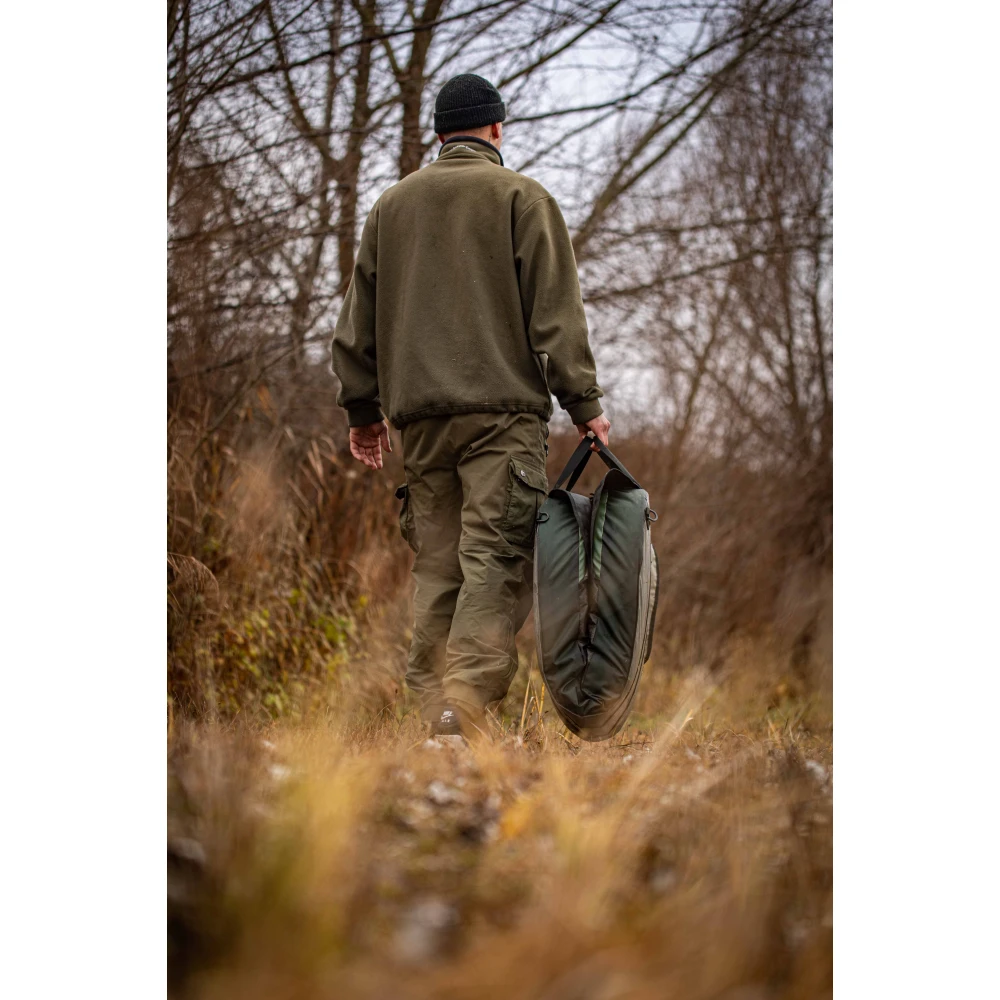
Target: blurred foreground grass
{"type": "Point", "coordinates": [352, 857]}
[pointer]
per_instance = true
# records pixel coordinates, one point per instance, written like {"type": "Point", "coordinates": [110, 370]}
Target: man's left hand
{"type": "Point", "coordinates": [367, 443]}
{"type": "Point", "coordinates": [599, 426]}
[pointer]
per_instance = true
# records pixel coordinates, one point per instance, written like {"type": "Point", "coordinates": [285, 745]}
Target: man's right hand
{"type": "Point", "coordinates": [601, 427]}
{"type": "Point", "coordinates": [367, 443]}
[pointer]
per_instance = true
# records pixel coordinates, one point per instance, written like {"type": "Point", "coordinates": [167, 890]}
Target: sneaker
{"type": "Point", "coordinates": [447, 725]}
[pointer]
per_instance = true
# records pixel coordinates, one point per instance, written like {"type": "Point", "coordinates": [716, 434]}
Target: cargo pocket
{"type": "Point", "coordinates": [406, 516]}
{"type": "Point", "coordinates": [526, 492]}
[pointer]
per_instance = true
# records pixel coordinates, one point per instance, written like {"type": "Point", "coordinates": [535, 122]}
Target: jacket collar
{"type": "Point", "coordinates": [490, 151]}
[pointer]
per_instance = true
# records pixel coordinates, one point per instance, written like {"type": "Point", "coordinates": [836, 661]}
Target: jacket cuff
{"type": "Point", "coordinates": [363, 414]}
{"type": "Point", "coordinates": [586, 410]}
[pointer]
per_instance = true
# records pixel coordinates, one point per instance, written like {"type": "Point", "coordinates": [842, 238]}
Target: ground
{"type": "Point", "coordinates": [691, 857]}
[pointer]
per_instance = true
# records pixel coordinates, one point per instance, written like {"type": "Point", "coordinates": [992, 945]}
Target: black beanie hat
{"type": "Point", "coordinates": [467, 101]}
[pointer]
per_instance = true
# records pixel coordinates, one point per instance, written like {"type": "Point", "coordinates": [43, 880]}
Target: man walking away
{"type": "Point", "coordinates": [462, 319]}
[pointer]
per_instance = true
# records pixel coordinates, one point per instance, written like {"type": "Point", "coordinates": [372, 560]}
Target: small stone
{"type": "Point", "coordinates": [279, 772]}
{"type": "Point", "coordinates": [189, 849]}
{"type": "Point", "coordinates": [424, 930]}
{"type": "Point", "coordinates": [662, 881]}
{"type": "Point", "coordinates": [412, 815]}
{"type": "Point", "coordinates": [440, 794]}
{"type": "Point", "coordinates": [817, 771]}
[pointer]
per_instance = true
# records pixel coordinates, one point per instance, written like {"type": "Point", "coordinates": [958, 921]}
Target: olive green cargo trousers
{"type": "Point", "coordinates": [474, 484]}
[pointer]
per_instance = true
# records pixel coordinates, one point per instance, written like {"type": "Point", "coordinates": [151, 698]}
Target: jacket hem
{"type": "Point", "coordinates": [451, 409]}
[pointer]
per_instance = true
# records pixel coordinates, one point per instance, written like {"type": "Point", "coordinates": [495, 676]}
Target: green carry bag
{"type": "Point", "coordinates": [595, 592]}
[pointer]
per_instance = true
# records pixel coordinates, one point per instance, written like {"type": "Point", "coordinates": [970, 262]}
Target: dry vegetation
{"type": "Point", "coordinates": [318, 847]}
{"type": "Point", "coordinates": [690, 859]}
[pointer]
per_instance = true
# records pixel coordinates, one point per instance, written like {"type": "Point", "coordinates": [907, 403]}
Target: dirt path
{"type": "Point", "coordinates": [689, 865]}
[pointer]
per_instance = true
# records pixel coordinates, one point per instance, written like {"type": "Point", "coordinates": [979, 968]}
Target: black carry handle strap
{"type": "Point", "coordinates": [575, 465]}
{"type": "Point", "coordinates": [578, 462]}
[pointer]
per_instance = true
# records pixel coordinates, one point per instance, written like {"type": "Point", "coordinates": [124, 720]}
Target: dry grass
{"type": "Point", "coordinates": [691, 858]}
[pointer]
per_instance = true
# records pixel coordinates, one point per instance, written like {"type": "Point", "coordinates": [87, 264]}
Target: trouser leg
{"type": "Point", "coordinates": [435, 496]}
{"type": "Point", "coordinates": [502, 470]}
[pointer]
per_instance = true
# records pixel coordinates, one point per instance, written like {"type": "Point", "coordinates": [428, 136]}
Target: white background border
{"type": "Point", "coordinates": [83, 392]}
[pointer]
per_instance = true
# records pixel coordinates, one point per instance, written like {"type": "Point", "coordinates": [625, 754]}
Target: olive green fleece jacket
{"type": "Point", "coordinates": [464, 299]}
